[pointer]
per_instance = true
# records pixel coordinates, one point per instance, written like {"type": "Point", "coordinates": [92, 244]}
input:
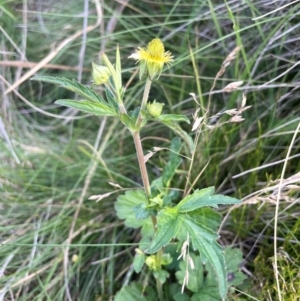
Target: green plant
{"type": "Point", "coordinates": [169, 220]}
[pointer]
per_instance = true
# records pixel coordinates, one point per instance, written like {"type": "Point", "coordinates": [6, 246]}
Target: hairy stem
{"type": "Point", "coordinates": [142, 164]}
{"type": "Point", "coordinates": [144, 174]}
{"type": "Point", "coordinates": [144, 100]}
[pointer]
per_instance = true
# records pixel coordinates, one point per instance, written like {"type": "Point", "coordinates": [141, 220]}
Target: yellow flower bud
{"type": "Point", "coordinates": [100, 74]}
{"type": "Point", "coordinates": [75, 258]}
{"type": "Point", "coordinates": [155, 109]}
{"type": "Point", "coordinates": [151, 262]}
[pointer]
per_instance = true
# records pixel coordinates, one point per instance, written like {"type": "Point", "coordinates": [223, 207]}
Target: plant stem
{"type": "Point", "coordinates": [144, 100]}
{"type": "Point", "coordinates": [159, 290]}
{"type": "Point", "coordinates": [144, 174]}
{"type": "Point", "coordinates": [142, 164]}
{"type": "Point", "coordinates": [158, 283]}
{"type": "Point", "coordinates": [143, 170]}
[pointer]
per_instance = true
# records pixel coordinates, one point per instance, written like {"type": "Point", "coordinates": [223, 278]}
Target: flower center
{"type": "Point", "coordinates": [156, 48]}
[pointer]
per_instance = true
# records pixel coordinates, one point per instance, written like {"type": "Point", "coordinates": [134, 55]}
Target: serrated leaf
{"type": "Point", "coordinates": [207, 217]}
{"type": "Point", "coordinates": [195, 200]}
{"type": "Point", "coordinates": [98, 109]}
{"type": "Point", "coordinates": [173, 117]}
{"type": "Point", "coordinates": [73, 85]}
{"type": "Point", "coordinates": [195, 276]}
{"type": "Point", "coordinates": [124, 208]}
{"type": "Point", "coordinates": [167, 227]}
{"type": "Point", "coordinates": [135, 292]}
{"type": "Point", "coordinates": [173, 163]}
{"type": "Point", "coordinates": [196, 229]}
{"type": "Point", "coordinates": [212, 253]}
{"type": "Point", "coordinates": [209, 249]}
{"type": "Point", "coordinates": [180, 132]}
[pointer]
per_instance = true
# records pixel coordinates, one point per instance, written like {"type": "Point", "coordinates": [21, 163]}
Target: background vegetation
{"type": "Point", "coordinates": [49, 171]}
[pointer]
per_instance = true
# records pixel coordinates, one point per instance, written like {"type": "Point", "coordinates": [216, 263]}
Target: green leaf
{"type": "Point", "coordinates": [111, 99]}
{"type": "Point", "coordinates": [167, 227]}
{"type": "Point", "coordinates": [173, 117]}
{"type": "Point", "coordinates": [161, 275]}
{"type": "Point", "coordinates": [128, 121]}
{"type": "Point", "coordinates": [141, 211]}
{"type": "Point", "coordinates": [124, 208]}
{"type": "Point", "coordinates": [173, 163]}
{"type": "Point", "coordinates": [98, 109]}
{"type": "Point", "coordinates": [180, 132]}
{"type": "Point", "coordinates": [181, 297]}
{"type": "Point", "coordinates": [195, 200]}
{"type": "Point", "coordinates": [202, 280]}
{"type": "Point", "coordinates": [234, 259]}
{"type": "Point", "coordinates": [135, 292]}
{"type": "Point", "coordinates": [196, 229]}
{"type": "Point", "coordinates": [73, 85]}
{"type": "Point", "coordinates": [207, 217]}
{"type": "Point", "coordinates": [138, 261]}
{"type": "Point", "coordinates": [175, 292]}
{"type": "Point", "coordinates": [202, 198]}
{"type": "Point", "coordinates": [213, 253]}
{"type": "Point", "coordinates": [207, 294]}
{"type": "Point", "coordinates": [219, 199]}
{"type": "Point", "coordinates": [196, 276]}
{"type": "Point", "coordinates": [209, 249]}
{"type": "Point", "coordinates": [171, 196]}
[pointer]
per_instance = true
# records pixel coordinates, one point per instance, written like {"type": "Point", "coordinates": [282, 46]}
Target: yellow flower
{"type": "Point", "coordinates": [152, 58]}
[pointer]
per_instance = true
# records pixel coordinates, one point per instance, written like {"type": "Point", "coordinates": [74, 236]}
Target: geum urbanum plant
{"type": "Point", "coordinates": [169, 223]}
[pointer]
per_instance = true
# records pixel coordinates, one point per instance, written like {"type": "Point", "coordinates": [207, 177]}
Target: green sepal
{"type": "Point", "coordinates": [98, 109]}
{"type": "Point", "coordinates": [143, 66]}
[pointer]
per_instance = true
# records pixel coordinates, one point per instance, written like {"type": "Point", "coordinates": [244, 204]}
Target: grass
{"type": "Point", "coordinates": [48, 171]}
